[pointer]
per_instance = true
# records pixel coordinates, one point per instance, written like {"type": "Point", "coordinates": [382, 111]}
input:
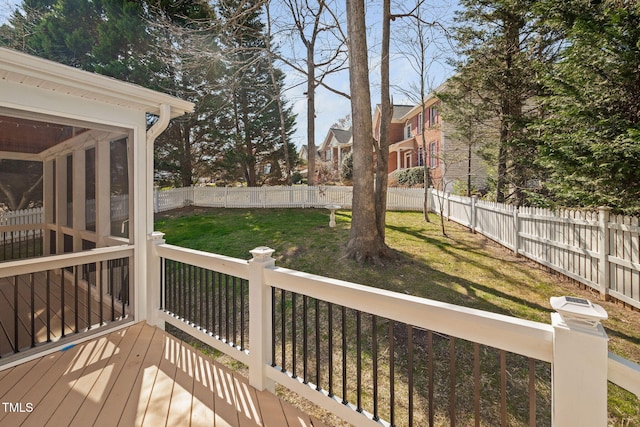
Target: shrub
{"type": "Point", "coordinates": [408, 177]}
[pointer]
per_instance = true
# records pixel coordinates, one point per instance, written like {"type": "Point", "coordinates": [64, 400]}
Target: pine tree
{"type": "Point", "coordinates": [250, 125]}
{"type": "Point", "coordinates": [591, 130]}
{"type": "Point", "coordinates": [501, 44]}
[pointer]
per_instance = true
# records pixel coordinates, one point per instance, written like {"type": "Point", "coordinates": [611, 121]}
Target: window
{"type": "Point", "coordinates": [420, 123]}
{"type": "Point", "coordinates": [433, 115]}
{"type": "Point", "coordinates": [433, 154]}
{"type": "Point", "coordinates": [407, 130]}
{"type": "Point", "coordinates": [420, 157]}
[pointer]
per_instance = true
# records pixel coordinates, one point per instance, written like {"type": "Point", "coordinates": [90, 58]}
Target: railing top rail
{"type": "Point", "coordinates": [520, 336]}
{"type": "Point", "coordinates": [224, 264]}
{"type": "Point", "coordinates": [34, 265]}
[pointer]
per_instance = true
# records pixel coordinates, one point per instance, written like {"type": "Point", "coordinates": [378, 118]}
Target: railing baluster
{"type": "Point", "coordinates": [48, 302]}
{"type": "Point", "coordinates": [392, 374]}
{"type": "Point", "coordinates": [273, 327]}
{"type": "Point", "coordinates": [305, 325]}
{"type": "Point", "coordinates": [16, 321]}
{"type": "Point", "coordinates": [101, 282]}
{"type": "Point", "coordinates": [476, 383]}
{"type": "Point", "coordinates": [235, 313]}
{"type": "Point", "coordinates": [294, 335]}
{"type": "Point", "coordinates": [330, 333]}
{"type": "Point", "coordinates": [452, 380]}
{"type": "Point", "coordinates": [283, 326]}
{"type": "Point", "coordinates": [88, 300]}
{"type": "Point", "coordinates": [318, 353]}
{"type": "Point", "coordinates": [503, 388]}
{"type": "Point", "coordinates": [62, 304]}
{"type": "Point", "coordinates": [410, 371]}
{"type": "Point", "coordinates": [243, 284]}
{"type": "Point", "coordinates": [33, 309]}
{"type": "Point", "coordinates": [226, 307]}
{"type": "Point", "coordinates": [532, 392]}
{"type": "Point", "coordinates": [112, 290]}
{"type": "Point", "coordinates": [359, 360]}
{"type": "Point", "coordinates": [430, 374]}
{"type": "Point", "coordinates": [374, 356]}
{"type": "Point", "coordinates": [344, 355]}
{"type": "Point", "coordinates": [76, 273]}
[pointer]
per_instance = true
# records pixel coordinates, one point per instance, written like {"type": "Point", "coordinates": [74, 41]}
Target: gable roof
{"type": "Point", "coordinates": [29, 70]}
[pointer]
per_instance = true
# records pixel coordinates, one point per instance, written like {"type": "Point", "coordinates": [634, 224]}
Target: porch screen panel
{"type": "Point", "coordinates": [90, 189]}
{"type": "Point", "coordinates": [119, 188]}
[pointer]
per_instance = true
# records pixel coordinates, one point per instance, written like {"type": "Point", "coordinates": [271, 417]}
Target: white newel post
{"type": "Point", "coordinates": [580, 361]}
{"type": "Point", "coordinates": [260, 319]}
{"type": "Point", "coordinates": [154, 278]}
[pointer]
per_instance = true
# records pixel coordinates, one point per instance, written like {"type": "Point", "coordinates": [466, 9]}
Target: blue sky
{"type": "Point", "coordinates": [331, 107]}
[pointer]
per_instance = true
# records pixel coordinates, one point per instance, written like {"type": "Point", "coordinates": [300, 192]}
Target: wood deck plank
{"type": "Point", "coordinates": [45, 378]}
{"type": "Point", "coordinates": [139, 375]}
{"type": "Point", "coordinates": [92, 404]}
{"type": "Point", "coordinates": [48, 405]}
{"type": "Point", "coordinates": [158, 408]}
{"type": "Point", "coordinates": [134, 411]}
{"type": "Point", "coordinates": [127, 362]}
{"type": "Point", "coordinates": [203, 412]}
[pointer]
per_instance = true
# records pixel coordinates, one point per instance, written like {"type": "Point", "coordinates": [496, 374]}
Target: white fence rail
{"type": "Point", "coordinates": [595, 248]}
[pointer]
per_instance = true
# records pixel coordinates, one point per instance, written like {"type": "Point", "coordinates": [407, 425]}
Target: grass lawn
{"type": "Point", "coordinates": [464, 268]}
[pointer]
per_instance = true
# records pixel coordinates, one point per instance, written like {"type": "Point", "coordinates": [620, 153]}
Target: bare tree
{"type": "Point", "coordinates": [317, 27]}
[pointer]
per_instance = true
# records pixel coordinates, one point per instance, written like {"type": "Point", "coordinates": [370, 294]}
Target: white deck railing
{"type": "Point", "coordinates": [579, 382]}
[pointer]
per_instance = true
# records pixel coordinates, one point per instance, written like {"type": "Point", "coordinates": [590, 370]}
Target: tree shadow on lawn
{"type": "Point", "coordinates": [446, 280]}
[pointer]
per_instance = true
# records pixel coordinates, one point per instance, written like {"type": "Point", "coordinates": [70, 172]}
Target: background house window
{"type": "Point", "coordinates": [407, 131]}
{"type": "Point", "coordinates": [420, 156]}
{"type": "Point", "coordinates": [433, 115]}
{"type": "Point", "coordinates": [420, 123]}
{"type": "Point", "coordinates": [433, 154]}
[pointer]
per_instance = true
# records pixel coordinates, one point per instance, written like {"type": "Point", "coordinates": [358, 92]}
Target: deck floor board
{"type": "Point", "coordinates": [138, 376]}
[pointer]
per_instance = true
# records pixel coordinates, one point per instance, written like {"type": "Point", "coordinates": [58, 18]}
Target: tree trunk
{"type": "Point", "coordinates": [365, 243]}
{"type": "Point", "coordinates": [311, 117]}
{"type": "Point", "coordinates": [386, 110]}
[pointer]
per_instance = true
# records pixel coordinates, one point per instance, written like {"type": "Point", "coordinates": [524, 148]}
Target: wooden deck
{"type": "Point", "coordinates": [137, 376]}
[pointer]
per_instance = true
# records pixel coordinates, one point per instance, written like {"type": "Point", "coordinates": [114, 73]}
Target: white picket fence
{"type": "Point", "coordinates": [279, 197]}
{"type": "Point", "coordinates": [595, 248]}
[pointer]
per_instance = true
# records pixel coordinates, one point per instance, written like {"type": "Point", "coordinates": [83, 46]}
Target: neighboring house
{"type": "Point", "coordinates": [418, 135]}
{"type": "Point", "coordinates": [335, 146]}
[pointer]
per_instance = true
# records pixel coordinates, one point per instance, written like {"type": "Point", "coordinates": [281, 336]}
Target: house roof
{"type": "Point", "coordinates": [43, 132]}
{"type": "Point", "coordinates": [343, 136]}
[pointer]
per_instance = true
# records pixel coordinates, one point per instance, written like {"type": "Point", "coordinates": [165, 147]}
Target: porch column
{"type": "Point", "coordinates": [48, 199]}
{"type": "Point", "coordinates": [79, 197]}
{"type": "Point", "coordinates": [398, 157]}
{"type": "Point", "coordinates": [103, 192]}
{"type": "Point", "coordinates": [61, 201]}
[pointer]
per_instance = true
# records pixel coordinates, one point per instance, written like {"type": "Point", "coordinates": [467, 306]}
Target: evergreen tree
{"type": "Point", "coordinates": [250, 125]}
{"type": "Point", "coordinates": [501, 43]}
{"type": "Point", "coordinates": [591, 130]}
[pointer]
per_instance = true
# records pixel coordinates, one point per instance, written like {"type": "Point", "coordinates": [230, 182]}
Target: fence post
{"type": "Point", "coordinates": [580, 363]}
{"type": "Point", "coordinates": [603, 249]}
{"type": "Point", "coordinates": [260, 319]}
{"type": "Point", "coordinates": [474, 200]}
{"type": "Point", "coordinates": [516, 230]}
{"type": "Point", "coordinates": [154, 279]}
{"type": "Point", "coordinates": [448, 204]}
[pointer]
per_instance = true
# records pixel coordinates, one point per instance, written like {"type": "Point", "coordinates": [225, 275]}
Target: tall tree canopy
{"type": "Point", "coordinates": [591, 128]}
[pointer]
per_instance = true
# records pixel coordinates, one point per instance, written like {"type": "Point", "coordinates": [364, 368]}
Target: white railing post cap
{"type": "Point", "coordinates": [262, 253]}
{"type": "Point", "coordinates": [156, 235]}
{"type": "Point", "coordinates": [578, 312]}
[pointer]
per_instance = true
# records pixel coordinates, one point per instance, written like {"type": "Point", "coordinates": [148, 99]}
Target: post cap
{"type": "Point", "coordinates": [262, 253]}
{"type": "Point", "coordinates": [578, 312]}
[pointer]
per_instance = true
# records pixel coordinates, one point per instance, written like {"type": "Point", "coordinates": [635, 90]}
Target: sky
{"type": "Point", "coordinates": [331, 107]}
